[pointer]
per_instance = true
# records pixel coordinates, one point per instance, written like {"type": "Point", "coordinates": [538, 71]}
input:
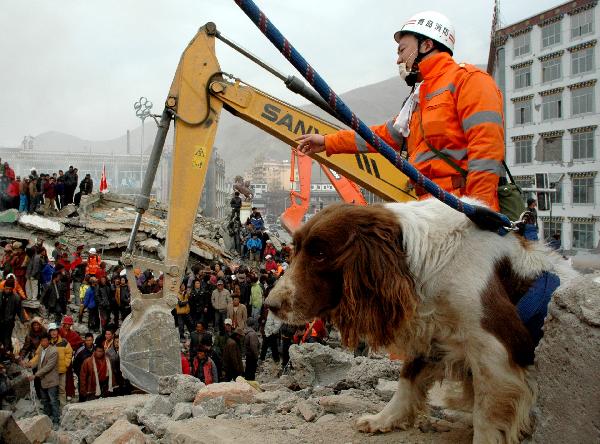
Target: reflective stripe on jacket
{"type": "Point", "coordinates": [461, 107]}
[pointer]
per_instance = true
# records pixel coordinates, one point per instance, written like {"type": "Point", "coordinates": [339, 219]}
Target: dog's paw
{"type": "Point", "coordinates": [377, 423]}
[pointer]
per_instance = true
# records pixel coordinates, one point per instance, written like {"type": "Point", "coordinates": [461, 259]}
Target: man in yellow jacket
{"type": "Point", "coordinates": [65, 355]}
{"type": "Point", "coordinates": [453, 109]}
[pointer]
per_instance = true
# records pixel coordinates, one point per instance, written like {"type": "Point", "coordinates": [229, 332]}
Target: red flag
{"type": "Point", "coordinates": [103, 183]}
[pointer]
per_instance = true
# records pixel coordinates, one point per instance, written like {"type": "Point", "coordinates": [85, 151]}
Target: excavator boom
{"type": "Point", "coordinates": [149, 343]}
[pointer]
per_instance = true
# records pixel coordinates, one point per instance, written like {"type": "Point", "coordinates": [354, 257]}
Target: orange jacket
{"type": "Point", "coordinates": [93, 264]}
{"type": "Point", "coordinates": [461, 107]}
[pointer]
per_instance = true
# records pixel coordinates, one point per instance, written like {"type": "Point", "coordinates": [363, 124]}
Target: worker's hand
{"type": "Point", "coordinates": [311, 143]}
{"type": "Point", "coordinates": [30, 377]}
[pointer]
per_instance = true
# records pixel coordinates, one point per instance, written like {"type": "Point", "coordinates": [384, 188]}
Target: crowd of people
{"type": "Point", "coordinates": [42, 192]}
{"type": "Point", "coordinates": [224, 327]}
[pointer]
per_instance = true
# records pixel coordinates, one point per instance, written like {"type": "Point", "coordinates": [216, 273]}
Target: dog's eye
{"type": "Point", "coordinates": [320, 256]}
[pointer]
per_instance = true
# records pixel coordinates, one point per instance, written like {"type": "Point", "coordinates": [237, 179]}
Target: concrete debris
{"type": "Point", "coordinates": [156, 405]}
{"type": "Point", "coordinates": [39, 223]}
{"type": "Point", "coordinates": [37, 429]}
{"type": "Point", "coordinates": [347, 403]}
{"type": "Point", "coordinates": [90, 419]}
{"type": "Point", "coordinates": [10, 432]}
{"type": "Point", "coordinates": [233, 393]}
{"type": "Point", "coordinates": [386, 389]}
{"type": "Point", "coordinates": [309, 410]}
{"type": "Point", "coordinates": [316, 364]}
{"type": "Point", "coordinates": [181, 388]}
{"type": "Point", "coordinates": [182, 410]}
{"type": "Point", "coordinates": [368, 372]}
{"type": "Point", "coordinates": [67, 210]}
{"type": "Point", "coordinates": [155, 424]}
{"type": "Point", "coordinates": [211, 407]}
{"type": "Point", "coordinates": [121, 432]}
{"type": "Point", "coordinates": [567, 363]}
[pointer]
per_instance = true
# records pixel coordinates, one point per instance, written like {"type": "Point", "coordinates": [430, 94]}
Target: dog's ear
{"type": "Point", "coordinates": [379, 289]}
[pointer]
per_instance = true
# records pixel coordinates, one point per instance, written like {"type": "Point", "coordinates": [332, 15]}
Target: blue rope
{"type": "Point", "coordinates": [483, 217]}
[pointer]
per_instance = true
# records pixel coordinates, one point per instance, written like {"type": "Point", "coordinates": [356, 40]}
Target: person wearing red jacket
{"type": "Point", "coordinates": [13, 192]}
{"type": "Point", "coordinates": [270, 264]}
{"type": "Point", "coordinates": [270, 249]}
{"type": "Point", "coordinates": [75, 341]}
{"type": "Point", "coordinates": [455, 109]}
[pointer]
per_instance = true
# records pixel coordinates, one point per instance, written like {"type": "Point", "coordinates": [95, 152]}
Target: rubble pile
{"type": "Point", "coordinates": [317, 399]}
{"type": "Point", "coordinates": [104, 221]}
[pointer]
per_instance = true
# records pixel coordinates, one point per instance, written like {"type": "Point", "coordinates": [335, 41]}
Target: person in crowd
{"type": "Point", "coordinates": [93, 262]}
{"type": "Point", "coordinates": [233, 365]}
{"type": "Point", "coordinates": [123, 297]}
{"type": "Point", "coordinates": [33, 273]}
{"type": "Point", "coordinates": [59, 189]}
{"type": "Point", "coordinates": [50, 196]}
{"type": "Point", "coordinates": [85, 284]}
{"type": "Point", "coordinates": [196, 337]}
{"type": "Point", "coordinates": [18, 262]}
{"type": "Point", "coordinates": [270, 249]}
{"type": "Point", "coordinates": [236, 205]}
{"type": "Point", "coordinates": [182, 310]}
{"type": "Point", "coordinates": [32, 339]}
{"type": "Point", "coordinates": [315, 332]}
{"type": "Point", "coordinates": [254, 246]}
{"type": "Point", "coordinates": [65, 355]}
{"type": "Point", "coordinates": [47, 272]}
{"type": "Point", "coordinates": [71, 181]}
{"type": "Point", "coordinates": [54, 297]}
{"type": "Point", "coordinates": [287, 332]}
{"type": "Point", "coordinates": [75, 341]}
{"type": "Point", "coordinates": [33, 194]}
{"type": "Point", "coordinates": [77, 269]}
{"type": "Point", "coordinates": [200, 301]}
{"type": "Point", "coordinates": [10, 308]}
{"type": "Point", "coordinates": [270, 264]}
{"type": "Point", "coordinates": [256, 297]}
{"type": "Point", "coordinates": [532, 208]}
{"type": "Point", "coordinates": [89, 303]}
{"type": "Point", "coordinates": [271, 337]}
{"type": "Point", "coordinates": [47, 374]}
{"type": "Point", "coordinates": [252, 348]}
{"type": "Point", "coordinates": [237, 312]}
{"type": "Point", "coordinates": [83, 352]}
{"type": "Point", "coordinates": [203, 367]}
{"type": "Point", "coordinates": [24, 195]}
{"type": "Point", "coordinates": [97, 378]}
{"type": "Point", "coordinates": [104, 301]}
{"type": "Point", "coordinates": [220, 299]}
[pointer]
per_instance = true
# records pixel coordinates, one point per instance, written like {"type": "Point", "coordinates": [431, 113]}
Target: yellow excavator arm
{"type": "Point", "coordinates": [149, 348]}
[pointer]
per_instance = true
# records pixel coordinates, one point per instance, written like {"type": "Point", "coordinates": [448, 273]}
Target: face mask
{"type": "Point", "coordinates": [410, 77]}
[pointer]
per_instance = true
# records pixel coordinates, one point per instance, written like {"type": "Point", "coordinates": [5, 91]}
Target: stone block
{"type": "Point", "coordinates": [121, 432]}
{"type": "Point", "coordinates": [156, 405]}
{"type": "Point", "coordinates": [567, 362]}
{"type": "Point", "coordinates": [308, 410]}
{"type": "Point", "coordinates": [316, 364]}
{"type": "Point", "coordinates": [36, 428]}
{"type": "Point", "coordinates": [181, 388]}
{"type": "Point", "coordinates": [346, 403]}
{"type": "Point", "coordinates": [211, 407]}
{"type": "Point", "coordinates": [39, 223]}
{"type": "Point", "coordinates": [233, 393]}
{"type": "Point", "coordinates": [182, 410]}
{"type": "Point", "coordinates": [155, 424]}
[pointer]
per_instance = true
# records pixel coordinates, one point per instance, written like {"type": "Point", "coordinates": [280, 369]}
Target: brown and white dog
{"type": "Point", "coordinates": [421, 278]}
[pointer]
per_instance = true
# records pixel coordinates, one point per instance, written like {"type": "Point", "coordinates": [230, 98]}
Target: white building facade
{"type": "Point", "coordinates": [547, 68]}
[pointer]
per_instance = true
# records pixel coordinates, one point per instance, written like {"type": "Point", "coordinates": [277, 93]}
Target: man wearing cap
{"type": "Point", "coordinates": [75, 341]}
{"type": "Point", "coordinates": [451, 125]}
{"type": "Point", "coordinates": [32, 340]}
{"type": "Point", "coordinates": [220, 299]}
{"type": "Point", "coordinates": [10, 307]}
{"type": "Point", "coordinates": [270, 264]}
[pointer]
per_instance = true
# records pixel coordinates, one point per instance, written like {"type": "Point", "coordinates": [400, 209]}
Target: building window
{"type": "Point", "coordinates": [551, 34]}
{"type": "Point", "coordinates": [552, 106]}
{"type": "Point", "coordinates": [582, 100]}
{"type": "Point", "coordinates": [521, 44]}
{"type": "Point", "coordinates": [582, 61]}
{"type": "Point", "coordinates": [552, 227]}
{"type": "Point", "coordinates": [523, 151]}
{"type": "Point", "coordinates": [551, 70]}
{"type": "Point", "coordinates": [582, 23]}
{"type": "Point", "coordinates": [523, 77]}
{"type": "Point", "coordinates": [583, 145]}
{"type": "Point", "coordinates": [551, 149]}
{"type": "Point", "coordinates": [583, 235]}
{"type": "Point", "coordinates": [556, 198]}
{"type": "Point", "coordinates": [523, 112]}
{"type": "Point", "coordinates": [583, 190]}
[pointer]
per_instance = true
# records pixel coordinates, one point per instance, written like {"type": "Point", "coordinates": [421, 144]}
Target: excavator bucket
{"type": "Point", "coordinates": [291, 218]}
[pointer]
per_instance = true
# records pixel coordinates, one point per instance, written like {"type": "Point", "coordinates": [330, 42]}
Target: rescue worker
{"type": "Point", "coordinates": [454, 108]}
{"type": "Point", "coordinates": [93, 262]}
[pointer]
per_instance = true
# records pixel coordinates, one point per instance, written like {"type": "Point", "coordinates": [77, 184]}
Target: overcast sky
{"type": "Point", "coordinates": [78, 66]}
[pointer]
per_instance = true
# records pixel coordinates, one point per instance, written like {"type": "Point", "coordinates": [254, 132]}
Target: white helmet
{"type": "Point", "coordinates": [430, 24]}
{"type": "Point", "coordinates": [52, 326]}
{"type": "Point", "coordinates": [92, 250]}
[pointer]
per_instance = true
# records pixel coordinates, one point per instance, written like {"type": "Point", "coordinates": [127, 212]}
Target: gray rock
{"type": "Point", "coordinates": [243, 410]}
{"type": "Point", "coordinates": [367, 372]}
{"type": "Point", "coordinates": [211, 408]}
{"type": "Point", "coordinates": [155, 424]}
{"type": "Point", "coordinates": [24, 408]}
{"type": "Point", "coordinates": [156, 405]}
{"type": "Point", "coordinates": [567, 363]}
{"type": "Point", "coordinates": [37, 428]}
{"type": "Point", "coordinates": [386, 389]}
{"type": "Point", "coordinates": [271, 397]}
{"type": "Point", "coordinates": [90, 419]}
{"type": "Point", "coordinates": [186, 389]}
{"type": "Point", "coordinates": [308, 410]}
{"type": "Point", "coordinates": [182, 410]}
{"type": "Point", "coordinates": [316, 364]}
{"type": "Point", "coordinates": [346, 403]}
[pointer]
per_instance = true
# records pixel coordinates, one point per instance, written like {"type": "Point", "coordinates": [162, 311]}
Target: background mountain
{"type": "Point", "coordinates": [238, 142]}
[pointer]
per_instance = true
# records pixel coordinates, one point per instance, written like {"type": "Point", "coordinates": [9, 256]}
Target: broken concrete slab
{"type": "Point", "coordinates": [316, 364]}
{"type": "Point", "coordinates": [10, 432]}
{"type": "Point", "coordinates": [67, 210]}
{"type": "Point", "coordinates": [233, 393]}
{"type": "Point", "coordinates": [39, 223]}
{"type": "Point", "coordinates": [182, 410]}
{"type": "Point", "coordinates": [37, 429]}
{"type": "Point", "coordinates": [121, 432]}
{"type": "Point", "coordinates": [156, 405]}
{"type": "Point", "coordinates": [567, 363]}
{"type": "Point", "coordinates": [211, 407]}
